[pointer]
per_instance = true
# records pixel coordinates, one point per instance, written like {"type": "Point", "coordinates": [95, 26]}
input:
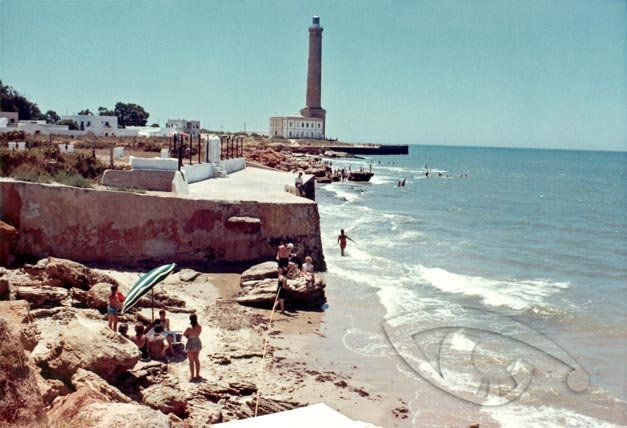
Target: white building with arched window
{"type": "Point", "coordinates": [297, 126]}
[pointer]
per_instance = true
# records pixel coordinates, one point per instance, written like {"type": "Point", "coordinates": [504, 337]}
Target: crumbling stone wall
{"type": "Point", "coordinates": [91, 225]}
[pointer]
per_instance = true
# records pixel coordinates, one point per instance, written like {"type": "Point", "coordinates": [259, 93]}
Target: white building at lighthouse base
{"type": "Point", "coordinates": [297, 126]}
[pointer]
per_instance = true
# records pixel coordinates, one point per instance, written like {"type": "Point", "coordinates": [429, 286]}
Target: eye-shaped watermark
{"type": "Point", "coordinates": [476, 355]}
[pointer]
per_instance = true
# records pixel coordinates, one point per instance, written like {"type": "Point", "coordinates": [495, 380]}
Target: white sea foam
{"type": "Point", "coordinates": [377, 179]}
{"type": "Point", "coordinates": [517, 416]}
{"type": "Point", "coordinates": [514, 294]}
{"type": "Point", "coordinates": [341, 192]}
{"type": "Point", "coordinates": [460, 342]}
{"type": "Point", "coordinates": [366, 343]}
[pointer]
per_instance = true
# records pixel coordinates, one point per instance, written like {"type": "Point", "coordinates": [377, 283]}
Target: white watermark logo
{"type": "Point", "coordinates": [476, 355]}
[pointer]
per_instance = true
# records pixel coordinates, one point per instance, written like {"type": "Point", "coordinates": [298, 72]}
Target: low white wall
{"type": "Point", "coordinates": [232, 165]}
{"type": "Point", "coordinates": [158, 164]}
{"type": "Point", "coordinates": [179, 185]}
{"type": "Point", "coordinates": [198, 172]}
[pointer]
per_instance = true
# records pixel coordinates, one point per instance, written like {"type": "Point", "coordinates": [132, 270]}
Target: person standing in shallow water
{"type": "Point", "coordinates": [193, 346]}
{"type": "Point", "coordinates": [342, 240]}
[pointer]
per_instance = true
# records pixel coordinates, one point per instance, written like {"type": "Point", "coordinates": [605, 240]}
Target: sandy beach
{"type": "Point", "coordinates": [301, 365]}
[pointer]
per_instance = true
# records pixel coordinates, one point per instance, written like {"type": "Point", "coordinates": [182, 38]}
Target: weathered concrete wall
{"type": "Point", "coordinates": [91, 225]}
{"type": "Point", "coordinates": [139, 179]}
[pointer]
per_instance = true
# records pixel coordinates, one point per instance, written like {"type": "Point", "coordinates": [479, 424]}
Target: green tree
{"type": "Point", "coordinates": [103, 111]}
{"type": "Point", "coordinates": [86, 112]}
{"type": "Point", "coordinates": [52, 117]}
{"type": "Point", "coordinates": [11, 100]}
{"type": "Point", "coordinates": [69, 122]}
{"type": "Point", "coordinates": [130, 114]}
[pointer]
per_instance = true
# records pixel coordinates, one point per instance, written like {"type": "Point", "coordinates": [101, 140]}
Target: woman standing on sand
{"type": "Point", "coordinates": [115, 304]}
{"type": "Point", "coordinates": [193, 346]}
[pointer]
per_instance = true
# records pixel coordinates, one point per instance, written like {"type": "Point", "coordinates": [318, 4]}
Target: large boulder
{"type": "Point", "coordinates": [90, 345]}
{"type": "Point", "coordinates": [167, 398]}
{"type": "Point", "coordinates": [298, 294]}
{"type": "Point", "coordinates": [98, 296]}
{"type": "Point", "coordinates": [20, 401]}
{"type": "Point", "coordinates": [260, 271]}
{"type": "Point", "coordinates": [42, 296]}
{"type": "Point", "coordinates": [89, 408]}
{"type": "Point", "coordinates": [91, 380]}
{"type": "Point", "coordinates": [66, 273]}
{"type": "Point", "coordinates": [17, 314]}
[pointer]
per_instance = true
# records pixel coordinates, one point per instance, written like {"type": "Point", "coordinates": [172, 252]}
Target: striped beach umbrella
{"type": "Point", "coordinates": [145, 284]}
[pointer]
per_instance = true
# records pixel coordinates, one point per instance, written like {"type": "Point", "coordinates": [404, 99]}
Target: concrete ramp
{"type": "Point", "coordinates": [314, 416]}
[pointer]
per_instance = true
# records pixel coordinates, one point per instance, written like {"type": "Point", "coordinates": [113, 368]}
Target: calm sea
{"type": "Point", "coordinates": [537, 235]}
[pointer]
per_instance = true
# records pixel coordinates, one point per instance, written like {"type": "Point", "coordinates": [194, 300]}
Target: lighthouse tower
{"type": "Point", "coordinates": [313, 106]}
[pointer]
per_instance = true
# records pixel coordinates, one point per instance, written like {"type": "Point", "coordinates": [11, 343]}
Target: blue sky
{"type": "Point", "coordinates": [520, 73]}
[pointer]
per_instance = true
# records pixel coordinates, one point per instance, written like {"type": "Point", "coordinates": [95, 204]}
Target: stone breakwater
{"type": "Point", "coordinates": [102, 226]}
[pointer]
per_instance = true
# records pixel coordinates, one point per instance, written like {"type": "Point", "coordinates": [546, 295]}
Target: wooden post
{"type": "Point", "coordinates": [152, 304]}
{"type": "Point", "coordinates": [199, 158]}
{"type": "Point", "coordinates": [111, 155]}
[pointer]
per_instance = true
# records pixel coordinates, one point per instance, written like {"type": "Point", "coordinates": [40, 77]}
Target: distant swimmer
{"type": "Point", "coordinates": [342, 240]}
{"type": "Point", "coordinates": [398, 183]}
{"type": "Point", "coordinates": [403, 182]}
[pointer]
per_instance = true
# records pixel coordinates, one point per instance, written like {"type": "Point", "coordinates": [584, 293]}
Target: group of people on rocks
{"type": "Point", "coordinates": [290, 267]}
{"type": "Point", "coordinates": [156, 340]}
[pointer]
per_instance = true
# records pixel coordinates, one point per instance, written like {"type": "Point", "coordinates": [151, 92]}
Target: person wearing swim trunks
{"type": "Point", "coordinates": [283, 255]}
{"type": "Point", "coordinates": [281, 290]}
{"type": "Point", "coordinates": [342, 240]}
{"type": "Point", "coordinates": [193, 346]}
{"type": "Point", "coordinates": [113, 308]}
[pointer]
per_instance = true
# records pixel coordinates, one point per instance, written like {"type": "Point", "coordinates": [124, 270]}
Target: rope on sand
{"type": "Point", "coordinates": [265, 346]}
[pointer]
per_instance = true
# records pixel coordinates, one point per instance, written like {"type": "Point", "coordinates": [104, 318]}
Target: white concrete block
{"type": "Point", "coordinates": [158, 164]}
{"type": "Point", "coordinates": [21, 146]}
{"type": "Point", "coordinates": [118, 152]}
{"type": "Point", "coordinates": [62, 148]}
{"type": "Point", "coordinates": [12, 146]}
{"type": "Point", "coordinates": [165, 153]}
{"type": "Point", "coordinates": [70, 148]}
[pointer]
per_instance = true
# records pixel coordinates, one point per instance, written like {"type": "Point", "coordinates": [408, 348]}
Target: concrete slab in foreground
{"type": "Point", "coordinates": [249, 184]}
{"type": "Point", "coordinates": [314, 416]}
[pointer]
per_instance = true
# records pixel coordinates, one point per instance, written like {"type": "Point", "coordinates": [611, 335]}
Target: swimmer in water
{"type": "Point", "coordinates": [342, 240]}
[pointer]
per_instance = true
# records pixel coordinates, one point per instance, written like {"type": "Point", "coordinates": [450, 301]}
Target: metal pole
{"type": "Point", "coordinates": [190, 149]}
{"type": "Point", "coordinates": [152, 299]}
{"type": "Point", "coordinates": [199, 159]}
{"type": "Point", "coordinates": [180, 154]}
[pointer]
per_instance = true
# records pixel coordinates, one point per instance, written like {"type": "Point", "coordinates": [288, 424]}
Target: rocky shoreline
{"type": "Point", "coordinates": [62, 366]}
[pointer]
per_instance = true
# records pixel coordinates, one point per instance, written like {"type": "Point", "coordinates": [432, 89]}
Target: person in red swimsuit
{"type": "Point", "coordinates": [342, 240]}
